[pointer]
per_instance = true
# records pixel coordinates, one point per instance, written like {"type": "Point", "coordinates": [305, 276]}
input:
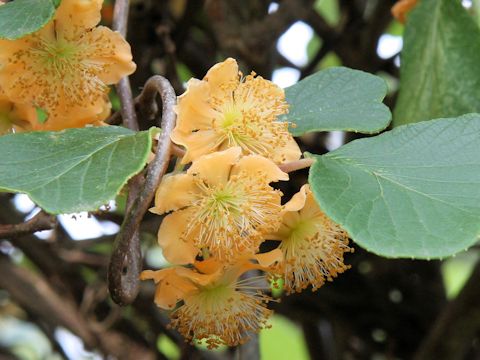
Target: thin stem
{"type": "Point", "coordinates": [287, 167]}
{"type": "Point", "coordinates": [127, 109]}
{"type": "Point", "coordinates": [125, 264]}
{"type": "Point", "coordinates": [41, 221]}
{"type": "Point", "coordinates": [120, 23]}
{"type": "Point", "coordinates": [296, 165]}
{"type": "Point", "coordinates": [120, 17]}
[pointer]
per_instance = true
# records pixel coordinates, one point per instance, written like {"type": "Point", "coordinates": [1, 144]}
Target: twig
{"type": "Point", "coordinates": [41, 221]}
{"type": "Point", "coordinates": [33, 292]}
{"type": "Point", "coordinates": [125, 266]}
{"type": "Point", "coordinates": [36, 296]}
{"type": "Point", "coordinates": [128, 107]}
{"type": "Point", "coordinates": [120, 16]}
{"type": "Point", "coordinates": [128, 250]}
{"type": "Point", "coordinates": [120, 21]}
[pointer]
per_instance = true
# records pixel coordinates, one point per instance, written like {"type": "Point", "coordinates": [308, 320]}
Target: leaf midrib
{"type": "Point", "coordinates": [382, 176]}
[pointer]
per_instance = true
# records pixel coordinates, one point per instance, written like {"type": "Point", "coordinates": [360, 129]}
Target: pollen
{"type": "Point", "coordinates": [225, 110]}
{"type": "Point", "coordinates": [222, 314]}
{"type": "Point", "coordinates": [223, 203]}
{"type": "Point", "coordinates": [249, 118]}
{"type": "Point", "coordinates": [232, 217]}
{"type": "Point", "coordinates": [65, 67]}
{"type": "Point", "coordinates": [61, 71]}
{"type": "Point", "coordinates": [312, 244]}
{"type": "Point", "coordinates": [314, 254]}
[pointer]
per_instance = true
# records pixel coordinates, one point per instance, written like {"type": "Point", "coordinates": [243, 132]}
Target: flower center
{"type": "Point", "coordinates": [57, 74]}
{"type": "Point", "coordinates": [231, 116]}
{"type": "Point", "coordinates": [229, 218]}
{"type": "Point", "coordinates": [222, 314]}
{"type": "Point", "coordinates": [249, 119]}
{"type": "Point", "coordinates": [302, 229]}
{"type": "Point", "coordinates": [314, 252]}
{"type": "Point", "coordinates": [59, 50]}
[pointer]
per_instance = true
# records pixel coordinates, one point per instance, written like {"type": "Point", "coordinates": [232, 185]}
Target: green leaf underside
{"type": "Point", "coordinates": [440, 72]}
{"type": "Point", "coordinates": [338, 99]}
{"type": "Point", "coordinates": [23, 17]}
{"type": "Point", "coordinates": [411, 192]}
{"type": "Point", "coordinates": [72, 170]}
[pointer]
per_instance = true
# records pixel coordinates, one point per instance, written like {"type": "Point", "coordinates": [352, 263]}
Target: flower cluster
{"type": "Point", "coordinates": [223, 207]}
{"type": "Point", "coordinates": [63, 69]}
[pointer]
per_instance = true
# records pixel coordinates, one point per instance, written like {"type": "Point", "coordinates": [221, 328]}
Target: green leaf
{"type": "Point", "coordinates": [440, 71]}
{"type": "Point", "coordinates": [338, 99]}
{"type": "Point", "coordinates": [72, 170]}
{"type": "Point", "coordinates": [410, 192]}
{"type": "Point", "coordinates": [22, 17]}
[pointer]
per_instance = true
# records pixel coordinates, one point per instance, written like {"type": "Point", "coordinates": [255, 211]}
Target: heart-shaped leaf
{"type": "Point", "coordinates": [72, 170]}
{"type": "Point", "coordinates": [338, 99]}
{"type": "Point", "coordinates": [410, 192]}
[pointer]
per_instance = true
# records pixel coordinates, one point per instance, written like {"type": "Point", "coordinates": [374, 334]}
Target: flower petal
{"type": "Point", "coordinates": [74, 17]}
{"type": "Point", "coordinates": [197, 143]}
{"type": "Point", "coordinates": [171, 287]}
{"type": "Point", "coordinates": [267, 259]}
{"type": "Point", "coordinates": [290, 152]}
{"type": "Point", "coordinates": [243, 264]}
{"type": "Point", "coordinates": [215, 168]}
{"type": "Point", "coordinates": [297, 201]}
{"type": "Point", "coordinates": [108, 49]}
{"type": "Point", "coordinates": [197, 278]}
{"type": "Point", "coordinates": [194, 111]}
{"type": "Point", "coordinates": [209, 266]}
{"type": "Point", "coordinates": [311, 209]}
{"type": "Point", "coordinates": [223, 78]}
{"type": "Point", "coordinates": [174, 192]}
{"type": "Point", "coordinates": [76, 117]}
{"type": "Point", "coordinates": [177, 249]}
{"type": "Point", "coordinates": [255, 165]}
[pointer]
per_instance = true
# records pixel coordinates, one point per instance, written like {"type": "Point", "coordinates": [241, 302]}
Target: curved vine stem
{"type": "Point", "coordinates": [125, 262]}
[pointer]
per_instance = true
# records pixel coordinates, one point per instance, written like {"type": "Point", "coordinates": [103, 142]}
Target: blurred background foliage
{"type": "Point", "coordinates": [379, 309]}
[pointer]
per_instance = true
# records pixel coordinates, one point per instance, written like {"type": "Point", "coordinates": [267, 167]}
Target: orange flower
{"type": "Point", "coordinates": [65, 67]}
{"type": "Point", "coordinates": [223, 203]}
{"type": "Point", "coordinates": [223, 110]}
{"type": "Point", "coordinates": [312, 244]}
{"type": "Point", "coordinates": [217, 306]}
{"type": "Point", "coordinates": [402, 8]}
